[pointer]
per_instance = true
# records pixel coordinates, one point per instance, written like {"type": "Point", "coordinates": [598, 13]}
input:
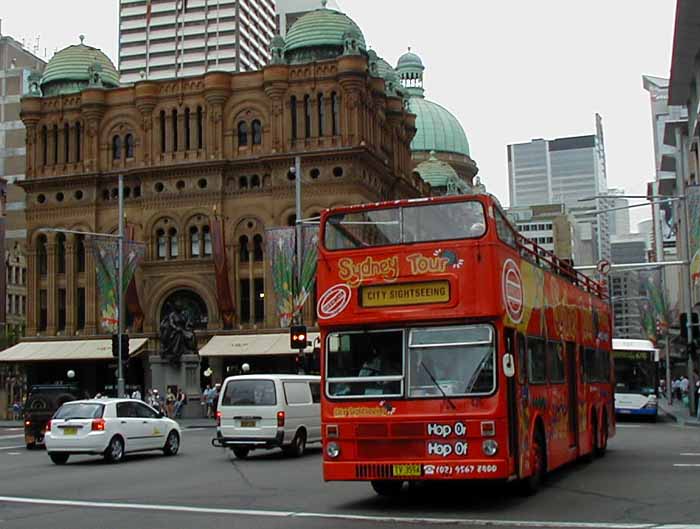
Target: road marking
{"type": "Point", "coordinates": [13, 453]}
{"type": "Point", "coordinates": [195, 429]}
{"type": "Point", "coordinates": [618, 425]}
{"type": "Point", "coordinates": [686, 465]}
{"type": "Point", "coordinates": [691, 454]}
{"type": "Point", "coordinates": [349, 517]}
{"type": "Point", "coordinates": [2, 437]}
{"type": "Point", "coordinates": [11, 447]}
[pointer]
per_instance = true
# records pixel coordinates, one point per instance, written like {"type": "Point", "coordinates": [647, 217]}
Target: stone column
{"type": "Point", "coordinates": [71, 285]}
{"type": "Point", "coordinates": [51, 294]}
{"type": "Point", "coordinates": [301, 119]}
{"type": "Point", "coordinates": [181, 130]}
{"type": "Point", "coordinates": [193, 129]}
{"type": "Point", "coordinates": [328, 118]}
{"type": "Point", "coordinates": [90, 293]}
{"type": "Point", "coordinates": [50, 150]}
{"type": "Point", "coordinates": [32, 292]}
{"type": "Point", "coordinates": [168, 131]}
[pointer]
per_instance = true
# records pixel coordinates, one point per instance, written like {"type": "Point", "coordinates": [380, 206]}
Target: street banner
{"type": "Point", "coordinates": [280, 249]}
{"type": "Point", "coordinates": [654, 311]}
{"type": "Point", "coordinates": [223, 288]}
{"type": "Point", "coordinates": [106, 253]}
{"type": "Point", "coordinates": [693, 203]}
{"type": "Point", "coordinates": [132, 301]}
{"type": "Point", "coordinates": [308, 266]}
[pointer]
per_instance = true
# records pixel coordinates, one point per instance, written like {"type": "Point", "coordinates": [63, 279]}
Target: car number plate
{"type": "Point", "coordinates": [406, 470]}
{"type": "Point", "coordinates": [70, 431]}
{"type": "Point", "coordinates": [247, 424]}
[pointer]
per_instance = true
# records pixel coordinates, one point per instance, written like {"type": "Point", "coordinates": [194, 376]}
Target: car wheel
{"type": "Point", "coordinates": [115, 450]}
{"type": "Point", "coordinates": [387, 488]}
{"type": "Point", "coordinates": [298, 446]}
{"type": "Point", "coordinates": [58, 458]}
{"type": "Point", "coordinates": [172, 444]}
{"type": "Point", "coordinates": [538, 463]}
{"type": "Point", "coordinates": [240, 452]}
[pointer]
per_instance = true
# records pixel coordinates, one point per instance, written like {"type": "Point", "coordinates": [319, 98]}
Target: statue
{"type": "Point", "coordinates": [177, 334]}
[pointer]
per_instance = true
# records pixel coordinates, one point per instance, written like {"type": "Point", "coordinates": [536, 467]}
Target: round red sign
{"type": "Point", "coordinates": [512, 286]}
{"type": "Point", "coordinates": [333, 301]}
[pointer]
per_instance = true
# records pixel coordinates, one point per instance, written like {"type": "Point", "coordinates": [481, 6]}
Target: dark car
{"type": "Point", "coordinates": [42, 402]}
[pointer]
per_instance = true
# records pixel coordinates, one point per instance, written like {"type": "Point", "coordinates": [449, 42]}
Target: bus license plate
{"type": "Point", "coordinates": [401, 471]}
{"type": "Point", "coordinates": [247, 424]}
{"type": "Point", "coordinates": [70, 431]}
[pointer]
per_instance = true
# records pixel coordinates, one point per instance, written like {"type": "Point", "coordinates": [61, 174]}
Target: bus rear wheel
{"type": "Point", "coordinates": [387, 488]}
{"type": "Point", "coordinates": [601, 444]}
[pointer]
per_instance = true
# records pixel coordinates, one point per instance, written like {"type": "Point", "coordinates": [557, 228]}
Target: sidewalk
{"type": "Point", "coordinates": [184, 423]}
{"type": "Point", "coordinates": [678, 412]}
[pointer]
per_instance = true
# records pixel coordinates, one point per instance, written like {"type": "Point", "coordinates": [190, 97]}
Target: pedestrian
{"type": "Point", "coordinates": [170, 403]}
{"type": "Point", "coordinates": [684, 385]}
{"type": "Point", "coordinates": [697, 402]}
{"type": "Point", "coordinates": [206, 400]}
{"type": "Point", "coordinates": [215, 398]}
{"type": "Point", "coordinates": [157, 401]}
{"type": "Point", "coordinates": [180, 403]}
{"type": "Point", "coordinates": [136, 394]}
{"type": "Point", "coordinates": [17, 410]}
{"type": "Point", "coordinates": [676, 388]}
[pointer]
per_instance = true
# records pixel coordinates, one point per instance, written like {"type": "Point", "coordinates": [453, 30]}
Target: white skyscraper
{"type": "Point", "coordinates": [161, 39]}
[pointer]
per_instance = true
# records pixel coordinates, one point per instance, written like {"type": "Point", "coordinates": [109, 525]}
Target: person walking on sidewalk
{"type": "Point", "coordinates": [180, 403]}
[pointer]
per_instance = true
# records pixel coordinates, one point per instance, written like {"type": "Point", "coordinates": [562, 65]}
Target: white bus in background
{"type": "Point", "coordinates": [636, 380]}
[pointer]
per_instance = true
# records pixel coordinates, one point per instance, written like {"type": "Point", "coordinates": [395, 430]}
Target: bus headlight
{"type": "Point", "coordinates": [332, 450]}
{"type": "Point", "coordinates": [490, 447]}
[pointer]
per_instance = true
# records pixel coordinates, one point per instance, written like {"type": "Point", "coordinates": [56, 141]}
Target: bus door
{"type": "Point", "coordinates": [513, 425]}
{"type": "Point", "coordinates": [572, 378]}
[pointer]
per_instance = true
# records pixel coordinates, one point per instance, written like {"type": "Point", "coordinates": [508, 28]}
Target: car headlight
{"type": "Point", "coordinates": [332, 450]}
{"type": "Point", "coordinates": [490, 447]}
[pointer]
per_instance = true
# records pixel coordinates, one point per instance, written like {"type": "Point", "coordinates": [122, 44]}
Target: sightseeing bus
{"type": "Point", "coordinates": [636, 378]}
{"type": "Point", "coordinates": [454, 348]}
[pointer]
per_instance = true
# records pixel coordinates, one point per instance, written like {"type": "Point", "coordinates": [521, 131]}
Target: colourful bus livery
{"type": "Point", "coordinates": [454, 348]}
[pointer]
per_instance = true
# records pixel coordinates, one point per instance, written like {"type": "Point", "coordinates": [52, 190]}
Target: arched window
{"type": "Point", "coordinates": [162, 131]}
{"type": "Point", "coordinates": [257, 132]}
{"type": "Point", "coordinates": [194, 241]}
{"type": "Point", "coordinates": [80, 253]}
{"type": "Point", "coordinates": [78, 140]}
{"type": "Point", "coordinates": [255, 181]}
{"type": "Point", "coordinates": [307, 116]}
{"type": "Point", "coordinates": [293, 114]}
{"type": "Point", "coordinates": [258, 248]}
{"type": "Point", "coordinates": [61, 253]}
{"type": "Point", "coordinates": [206, 235]}
{"type": "Point", "coordinates": [174, 128]}
{"type": "Point", "coordinates": [200, 128]}
{"type": "Point", "coordinates": [66, 143]}
{"type": "Point", "coordinates": [41, 255]}
{"type": "Point", "coordinates": [244, 253]}
{"type": "Point", "coordinates": [292, 220]}
{"type": "Point", "coordinates": [45, 144]}
{"type": "Point", "coordinates": [242, 133]}
{"type": "Point", "coordinates": [116, 148]}
{"type": "Point", "coordinates": [243, 182]}
{"type": "Point", "coordinates": [55, 144]}
{"type": "Point", "coordinates": [321, 114]}
{"type": "Point", "coordinates": [187, 129]}
{"type": "Point", "coordinates": [336, 113]}
{"type": "Point", "coordinates": [174, 243]}
{"type": "Point", "coordinates": [129, 145]}
{"type": "Point", "coordinates": [161, 244]}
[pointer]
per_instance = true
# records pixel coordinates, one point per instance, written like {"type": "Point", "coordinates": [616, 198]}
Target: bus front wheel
{"type": "Point", "coordinates": [538, 463]}
{"type": "Point", "coordinates": [387, 488]}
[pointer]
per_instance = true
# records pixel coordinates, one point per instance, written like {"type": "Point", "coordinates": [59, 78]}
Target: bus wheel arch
{"type": "Point", "coordinates": [538, 459]}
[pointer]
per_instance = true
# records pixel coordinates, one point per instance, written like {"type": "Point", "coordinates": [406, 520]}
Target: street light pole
{"type": "Point", "coordinates": [120, 289]}
{"type": "Point", "coordinates": [298, 225]}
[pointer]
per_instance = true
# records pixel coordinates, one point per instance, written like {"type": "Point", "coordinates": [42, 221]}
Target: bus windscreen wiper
{"type": "Point", "coordinates": [437, 385]}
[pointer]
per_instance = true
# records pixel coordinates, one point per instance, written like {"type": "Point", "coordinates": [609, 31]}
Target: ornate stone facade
{"type": "Point", "coordinates": [189, 148]}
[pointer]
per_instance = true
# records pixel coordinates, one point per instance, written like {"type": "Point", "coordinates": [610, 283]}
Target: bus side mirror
{"type": "Point", "coordinates": [508, 365]}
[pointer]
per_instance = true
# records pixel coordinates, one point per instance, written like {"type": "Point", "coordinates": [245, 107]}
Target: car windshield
{"type": "Point", "coordinates": [80, 410]}
{"type": "Point", "coordinates": [365, 363]}
{"type": "Point", "coordinates": [417, 223]}
{"type": "Point", "coordinates": [249, 393]}
{"type": "Point", "coordinates": [458, 360]}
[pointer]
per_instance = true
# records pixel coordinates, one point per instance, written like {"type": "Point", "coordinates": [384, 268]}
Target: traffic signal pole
{"type": "Point", "coordinates": [299, 318]}
{"type": "Point", "coordinates": [120, 290]}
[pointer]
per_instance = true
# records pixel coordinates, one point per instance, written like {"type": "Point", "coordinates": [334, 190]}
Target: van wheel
{"type": "Point", "coordinates": [387, 488]}
{"type": "Point", "coordinates": [115, 450]}
{"type": "Point", "coordinates": [538, 464]}
{"type": "Point", "coordinates": [58, 458]}
{"type": "Point", "coordinates": [298, 446]}
{"type": "Point", "coordinates": [241, 452]}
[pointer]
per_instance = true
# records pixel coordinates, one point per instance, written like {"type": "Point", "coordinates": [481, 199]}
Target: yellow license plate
{"type": "Point", "coordinates": [70, 431]}
{"type": "Point", "coordinates": [247, 424]}
{"type": "Point", "coordinates": [401, 471]}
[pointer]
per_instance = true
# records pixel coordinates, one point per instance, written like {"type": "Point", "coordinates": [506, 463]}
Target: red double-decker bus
{"type": "Point", "coordinates": [454, 348]}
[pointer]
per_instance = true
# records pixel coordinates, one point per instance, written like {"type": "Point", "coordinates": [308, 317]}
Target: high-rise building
{"type": "Point", "coordinates": [16, 66]}
{"type": "Point", "coordinates": [619, 219]}
{"type": "Point", "coordinates": [550, 226]}
{"type": "Point", "coordinates": [627, 289]}
{"type": "Point", "coordinates": [289, 11]}
{"type": "Point", "coordinates": [162, 39]}
{"type": "Point", "coordinates": [565, 170]}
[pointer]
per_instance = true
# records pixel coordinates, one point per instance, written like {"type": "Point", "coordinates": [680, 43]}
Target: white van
{"type": "Point", "coordinates": [269, 411]}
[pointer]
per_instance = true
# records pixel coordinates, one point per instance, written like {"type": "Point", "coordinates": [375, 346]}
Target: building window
{"type": "Point", "coordinates": [78, 139]}
{"type": "Point", "coordinates": [55, 144]}
{"type": "Point", "coordinates": [242, 134]}
{"type": "Point", "coordinates": [61, 253]}
{"type": "Point", "coordinates": [161, 244]}
{"type": "Point", "coordinates": [194, 241]}
{"type": "Point", "coordinates": [43, 309]}
{"type": "Point", "coordinates": [245, 300]}
{"type": "Point", "coordinates": [321, 114]}
{"type": "Point", "coordinates": [259, 303]}
{"type": "Point", "coordinates": [81, 309]}
{"type": "Point", "coordinates": [174, 127]}
{"type": "Point", "coordinates": [187, 129]}
{"type": "Point", "coordinates": [244, 253]}
{"type": "Point", "coordinates": [162, 131]}
{"type": "Point", "coordinates": [24, 276]}
{"type": "Point", "coordinates": [61, 309]}
{"type": "Point", "coordinates": [174, 243]}
{"type": "Point", "coordinates": [307, 116]}
{"type": "Point", "coordinates": [258, 248]}
{"type": "Point", "coordinates": [45, 145]}
{"type": "Point", "coordinates": [66, 143]}
{"type": "Point", "coordinates": [257, 132]}
{"type": "Point", "coordinates": [206, 235]}
{"type": "Point", "coordinates": [293, 114]}
{"type": "Point", "coordinates": [255, 181]}
{"type": "Point", "coordinates": [116, 148]}
{"type": "Point", "coordinates": [200, 128]}
{"type": "Point", "coordinates": [42, 255]}
{"type": "Point", "coordinates": [129, 145]}
{"type": "Point", "coordinates": [336, 113]}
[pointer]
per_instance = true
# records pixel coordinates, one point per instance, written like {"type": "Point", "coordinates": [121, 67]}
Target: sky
{"type": "Point", "coordinates": [510, 70]}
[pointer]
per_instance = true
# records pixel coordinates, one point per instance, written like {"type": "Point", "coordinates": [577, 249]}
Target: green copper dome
{"type": "Point", "coordinates": [69, 70]}
{"type": "Point", "coordinates": [410, 60]}
{"type": "Point", "coordinates": [437, 129]}
{"type": "Point", "coordinates": [386, 72]}
{"type": "Point", "coordinates": [436, 172]}
{"type": "Point", "coordinates": [321, 34]}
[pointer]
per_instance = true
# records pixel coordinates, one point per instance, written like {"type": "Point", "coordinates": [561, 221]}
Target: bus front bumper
{"type": "Point", "coordinates": [405, 470]}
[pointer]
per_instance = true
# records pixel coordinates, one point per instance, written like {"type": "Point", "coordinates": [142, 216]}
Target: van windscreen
{"type": "Point", "coordinates": [250, 393]}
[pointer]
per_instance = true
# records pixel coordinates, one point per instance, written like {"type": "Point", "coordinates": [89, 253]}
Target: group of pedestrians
{"type": "Point", "coordinates": [681, 388]}
{"type": "Point", "coordinates": [171, 405]}
{"type": "Point", "coordinates": [210, 399]}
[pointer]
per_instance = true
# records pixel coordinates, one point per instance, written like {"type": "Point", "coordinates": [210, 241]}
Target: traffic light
{"type": "Point", "coordinates": [298, 337]}
{"type": "Point", "coordinates": [124, 346]}
{"type": "Point", "coordinates": [695, 326]}
{"type": "Point", "coordinates": [115, 345]}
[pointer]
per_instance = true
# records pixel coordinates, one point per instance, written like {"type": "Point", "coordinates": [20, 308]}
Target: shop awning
{"type": "Point", "coordinates": [253, 345]}
{"type": "Point", "coordinates": [67, 350]}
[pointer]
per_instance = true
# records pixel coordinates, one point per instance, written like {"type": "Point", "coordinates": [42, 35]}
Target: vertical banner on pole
{"type": "Point", "coordinates": [223, 288]}
{"type": "Point", "coordinates": [132, 301]}
{"type": "Point", "coordinates": [280, 249]}
{"type": "Point", "coordinates": [692, 194]}
{"type": "Point", "coordinates": [308, 266]}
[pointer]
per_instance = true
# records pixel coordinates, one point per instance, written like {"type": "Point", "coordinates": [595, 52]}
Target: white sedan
{"type": "Point", "coordinates": [109, 427]}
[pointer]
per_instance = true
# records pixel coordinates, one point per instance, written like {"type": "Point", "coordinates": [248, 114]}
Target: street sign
{"type": "Point", "coordinates": [603, 267]}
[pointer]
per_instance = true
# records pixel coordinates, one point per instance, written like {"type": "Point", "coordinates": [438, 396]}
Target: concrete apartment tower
{"type": "Point", "coordinates": [163, 39]}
